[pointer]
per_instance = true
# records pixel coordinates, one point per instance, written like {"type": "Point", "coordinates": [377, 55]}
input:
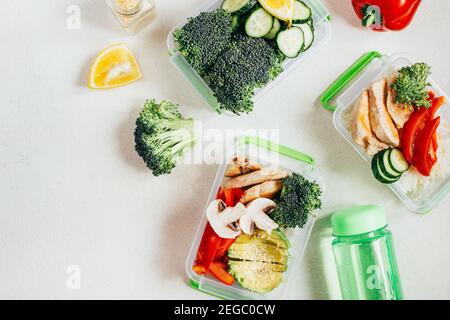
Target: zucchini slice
{"type": "Point", "coordinates": [275, 28]}
{"type": "Point", "coordinates": [238, 6]}
{"type": "Point", "coordinates": [258, 23]}
{"type": "Point", "coordinates": [291, 42]}
{"type": "Point", "coordinates": [398, 162]}
{"type": "Point", "coordinates": [301, 12]}
{"type": "Point", "coordinates": [308, 32]}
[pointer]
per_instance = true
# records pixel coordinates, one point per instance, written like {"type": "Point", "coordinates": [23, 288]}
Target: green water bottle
{"type": "Point", "coordinates": [364, 254]}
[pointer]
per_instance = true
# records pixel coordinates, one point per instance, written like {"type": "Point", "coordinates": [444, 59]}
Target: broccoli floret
{"type": "Point", "coordinates": [411, 85]}
{"type": "Point", "coordinates": [246, 64]}
{"type": "Point", "coordinates": [202, 39]}
{"type": "Point", "coordinates": [297, 200]}
{"type": "Point", "coordinates": [162, 136]}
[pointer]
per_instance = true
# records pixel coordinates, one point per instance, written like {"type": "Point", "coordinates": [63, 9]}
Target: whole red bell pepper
{"type": "Point", "coordinates": [383, 15]}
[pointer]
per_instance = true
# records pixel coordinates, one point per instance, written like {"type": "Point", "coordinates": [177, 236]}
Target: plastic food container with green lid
{"type": "Point", "coordinates": [322, 33]}
{"type": "Point", "coordinates": [343, 93]}
{"type": "Point", "coordinates": [267, 154]}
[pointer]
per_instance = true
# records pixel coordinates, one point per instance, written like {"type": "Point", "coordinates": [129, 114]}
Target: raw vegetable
{"type": "Point", "coordinates": [411, 85]}
{"type": "Point", "coordinates": [273, 32]}
{"type": "Point", "coordinates": [230, 196]}
{"type": "Point", "coordinates": [245, 65]}
{"type": "Point", "coordinates": [393, 15]}
{"type": "Point", "coordinates": [162, 136]}
{"type": "Point", "coordinates": [414, 128]}
{"type": "Point", "coordinates": [422, 160]}
{"type": "Point", "coordinates": [257, 213]}
{"type": "Point", "coordinates": [237, 7]}
{"type": "Point", "coordinates": [301, 12]}
{"type": "Point", "coordinates": [256, 264]}
{"type": "Point", "coordinates": [222, 218]}
{"type": "Point", "coordinates": [378, 171]}
{"type": "Point", "coordinates": [308, 33]}
{"type": "Point", "coordinates": [218, 270]}
{"type": "Point", "coordinates": [202, 39]}
{"type": "Point", "coordinates": [258, 23]}
{"type": "Point", "coordinates": [298, 199]}
{"type": "Point", "coordinates": [389, 165]}
{"type": "Point", "coordinates": [291, 42]}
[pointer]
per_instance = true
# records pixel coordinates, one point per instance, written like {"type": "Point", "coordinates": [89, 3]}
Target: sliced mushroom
{"type": "Point", "coordinates": [222, 218]}
{"type": "Point", "coordinates": [257, 214]}
{"type": "Point", "coordinates": [255, 177]}
{"type": "Point", "coordinates": [241, 165]}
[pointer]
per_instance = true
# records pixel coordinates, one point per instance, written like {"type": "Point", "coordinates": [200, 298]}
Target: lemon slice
{"type": "Point", "coordinates": [281, 9]}
{"type": "Point", "coordinates": [114, 67]}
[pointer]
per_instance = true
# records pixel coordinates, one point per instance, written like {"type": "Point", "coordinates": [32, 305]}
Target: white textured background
{"type": "Point", "coordinates": [74, 192]}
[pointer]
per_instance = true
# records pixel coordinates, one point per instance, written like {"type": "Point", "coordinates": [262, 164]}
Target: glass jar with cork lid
{"type": "Point", "coordinates": [133, 15]}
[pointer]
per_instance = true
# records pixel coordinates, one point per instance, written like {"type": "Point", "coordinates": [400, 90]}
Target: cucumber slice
{"type": "Point", "coordinates": [378, 172]}
{"type": "Point", "coordinates": [235, 22]}
{"type": "Point", "coordinates": [275, 28]}
{"type": "Point", "coordinates": [386, 167]}
{"type": "Point", "coordinates": [291, 42]}
{"type": "Point", "coordinates": [258, 23]}
{"type": "Point", "coordinates": [308, 32]}
{"type": "Point", "coordinates": [301, 12]}
{"type": "Point", "coordinates": [398, 162]}
{"type": "Point", "coordinates": [238, 6]}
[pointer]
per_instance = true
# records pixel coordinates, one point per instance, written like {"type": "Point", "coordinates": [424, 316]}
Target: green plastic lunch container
{"type": "Point", "coordinates": [322, 33]}
{"type": "Point", "coordinates": [340, 98]}
{"type": "Point", "coordinates": [267, 154]}
{"type": "Point", "coordinates": [364, 254]}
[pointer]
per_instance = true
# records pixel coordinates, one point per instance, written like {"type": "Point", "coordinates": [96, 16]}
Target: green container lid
{"type": "Point", "coordinates": [358, 220]}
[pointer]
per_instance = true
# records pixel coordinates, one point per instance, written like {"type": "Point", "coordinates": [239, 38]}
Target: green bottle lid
{"type": "Point", "coordinates": [358, 220]}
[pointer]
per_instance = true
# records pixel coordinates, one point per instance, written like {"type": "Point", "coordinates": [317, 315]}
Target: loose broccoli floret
{"type": "Point", "coordinates": [246, 64]}
{"type": "Point", "coordinates": [202, 39]}
{"type": "Point", "coordinates": [297, 200]}
{"type": "Point", "coordinates": [162, 136]}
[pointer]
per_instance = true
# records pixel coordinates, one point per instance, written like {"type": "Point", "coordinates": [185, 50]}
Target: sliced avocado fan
{"type": "Point", "coordinates": [259, 261]}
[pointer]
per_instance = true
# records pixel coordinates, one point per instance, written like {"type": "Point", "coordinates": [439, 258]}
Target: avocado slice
{"type": "Point", "coordinates": [259, 261]}
{"type": "Point", "coordinates": [260, 277]}
{"type": "Point", "coordinates": [276, 238]}
{"type": "Point", "coordinates": [257, 251]}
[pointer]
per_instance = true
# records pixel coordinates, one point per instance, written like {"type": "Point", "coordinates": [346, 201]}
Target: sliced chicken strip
{"type": "Point", "coordinates": [361, 129]}
{"type": "Point", "coordinates": [264, 190]}
{"type": "Point", "coordinates": [241, 165]}
{"type": "Point", "coordinates": [255, 177]}
{"type": "Point", "coordinates": [399, 113]}
{"type": "Point", "coordinates": [380, 120]}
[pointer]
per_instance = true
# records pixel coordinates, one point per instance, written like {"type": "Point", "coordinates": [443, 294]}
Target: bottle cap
{"type": "Point", "coordinates": [358, 220]}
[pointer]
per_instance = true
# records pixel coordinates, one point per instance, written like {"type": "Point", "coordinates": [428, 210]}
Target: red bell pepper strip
{"type": "Point", "coordinates": [199, 269]}
{"type": "Point", "coordinates": [422, 159]}
{"type": "Point", "coordinates": [437, 103]}
{"type": "Point", "coordinates": [209, 253]}
{"type": "Point", "coordinates": [383, 15]}
{"type": "Point", "coordinates": [230, 196]}
{"type": "Point", "coordinates": [218, 270]}
{"type": "Point", "coordinates": [410, 131]}
{"type": "Point", "coordinates": [225, 244]}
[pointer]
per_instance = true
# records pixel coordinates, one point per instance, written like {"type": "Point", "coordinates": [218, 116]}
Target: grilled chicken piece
{"type": "Point", "coordinates": [241, 165]}
{"type": "Point", "coordinates": [399, 113]}
{"type": "Point", "coordinates": [361, 129]}
{"type": "Point", "coordinates": [255, 177]}
{"type": "Point", "coordinates": [264, 190]}
{"type": "Point", "coordinates": [380, 120]}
